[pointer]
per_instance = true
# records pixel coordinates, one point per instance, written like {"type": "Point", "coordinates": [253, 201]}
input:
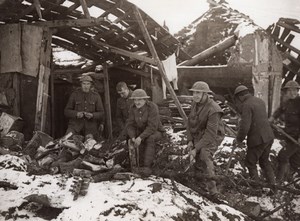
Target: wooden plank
{"type": "Point", "coordinates": [107, 101]}
{"type": "Point", "coordinates": [287, 45]}
{"type": "Point", "coordinates": [83, 22]}
{"type": "Point", "coordinates": [291, 27]}
{"type": "Point", "coordinates": [43, 82]}
{"type": "Point", "coordinates": [85, 9]}
{"type": "Point", "coordinates": [120, 51]}
{"type": "Point", "coordinates": [159, 63]}
{"type": "Point", "coordinates": [134, 71]}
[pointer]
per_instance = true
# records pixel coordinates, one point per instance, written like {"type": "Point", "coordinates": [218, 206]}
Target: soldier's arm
{"type": "Point", "coordinates": [211, 131]}
{"type": "Point", "coordinates": [152, 122]}
{"type": "Point", "coordinates": [119, 120]}
{"type": "Point", "coordinates": [99, 113]}
{"type": "Point", "coordinates": [69, 109]}
{"type": "Point", "coordinates": [131, 125]}
{"type": "Point", "coordinates": [245, 123]}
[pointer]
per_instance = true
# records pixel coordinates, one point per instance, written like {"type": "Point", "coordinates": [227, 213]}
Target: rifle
{"type": "Point", "coordinates": [280, 130]}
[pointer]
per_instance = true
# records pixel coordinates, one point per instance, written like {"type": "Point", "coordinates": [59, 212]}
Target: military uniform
{"type": "Point", "coordinates": [255, 125]}
{"type": "Point", "coordinates": [145, 123]}
{"type": "Point", "coordinates": [206, 131]}
{"type": "Point", "coordinates": [80, 101]}
{"type": "Point", "coordinates": [290, 110]}
{"type": "Point", "coordinates": [122, 112]}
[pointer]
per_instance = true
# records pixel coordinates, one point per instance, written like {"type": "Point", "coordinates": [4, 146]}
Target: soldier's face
{"type": "Point", "coordinates": [198, 96]}
{"type": "Point", "coordinates": [123, 92]}
{"type": "Point", "coordinates": [291, 93]}
{"type": "Point", "coordinates": [86, 86]}
{"type": "Point", "coordinates": [139, 102]}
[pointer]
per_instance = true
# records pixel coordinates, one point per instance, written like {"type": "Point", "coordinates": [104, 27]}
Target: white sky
{"type": "Point", "coordinates": [180, 13]}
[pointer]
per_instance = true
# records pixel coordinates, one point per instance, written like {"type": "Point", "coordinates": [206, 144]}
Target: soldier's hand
{"type": "Point", "coordinates": [88, 115]}
{"type": "Point", "coordinates": [190, 146]}
{"type": "Point", "coordinates": [80, 114]}
{"type": "Point", "coordinates": [271, 119]}
{"type": "Point", "coordinates": [192, 154]}
{"type": "Point", "coordinates": [137, 141]}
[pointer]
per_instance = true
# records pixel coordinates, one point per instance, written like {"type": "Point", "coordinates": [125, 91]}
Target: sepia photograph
{"type": "Point", "coordinates": [150, 110]}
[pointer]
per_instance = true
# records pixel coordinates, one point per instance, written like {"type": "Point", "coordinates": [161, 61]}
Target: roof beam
{"type": "Point", "coordinates": [123, 52]}
{"type": "Point", "coordinates": [84, 22]}
{"type": "Point", "coordinates": [85, 9]}
{"type": "Point", "coordinates": [162, 71]}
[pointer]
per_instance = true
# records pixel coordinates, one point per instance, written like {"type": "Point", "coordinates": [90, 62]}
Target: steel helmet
{"type": "Point", "coordinates": [86, 78]}
{"type": "Point", "coordinates": [291, 84]}
{"type": "Point", "coordinates": [201, 86]}
{"type": "Point", "coordinates": [240, 89]}
{"type": "Point", "coordinates": [139, 94]}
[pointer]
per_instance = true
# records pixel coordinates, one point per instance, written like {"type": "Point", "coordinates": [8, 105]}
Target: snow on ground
{"type": "Point", "coordinates": [135, 199]}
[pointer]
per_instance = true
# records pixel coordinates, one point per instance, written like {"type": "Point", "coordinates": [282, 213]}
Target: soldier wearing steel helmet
{"type": "Point", "coordinates": [144, 126]}
{"type": "Point", "coordinates": [289, 110]}
{"type": "Point", "coordinates": [205, 130]}
{"type": "Point", "coordinates": [84, 110]}
{"type": "Point", "coordinates": [255, 125]}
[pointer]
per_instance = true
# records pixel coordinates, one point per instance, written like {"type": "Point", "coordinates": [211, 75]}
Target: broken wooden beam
{"type": "Point", "coordinates": [159, 63]}
{"type": "Point", "coordinates": [123, 52]}
{"type": "Point", "coordinates": [84, 22]}
{"type": "Point", "coordinates": [85, 9]}
{"type": "Point", "coordinates": [227, 43]}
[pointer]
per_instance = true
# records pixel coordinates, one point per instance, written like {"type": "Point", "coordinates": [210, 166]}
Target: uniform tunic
{"type": "Point", "coordinates": [145, 123]}
{"type": "Point", "coordinates": [122, 112]}
{"type": "Point", "coordinates": [80, 101]}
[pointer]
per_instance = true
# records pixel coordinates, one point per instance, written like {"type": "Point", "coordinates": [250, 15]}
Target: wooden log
{"type": "Point", "coordinates": [159, 63]}
{"type": "Point", "coordinates": [227, 43]}
{"type": "Point", "coordinates": [291, 27]}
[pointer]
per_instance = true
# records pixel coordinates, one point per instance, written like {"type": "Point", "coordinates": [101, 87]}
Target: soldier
{"type": "Point", "coordinates": [123, 104]}
{"type": "Point", "coordinates": [205, 130]}
{"type": "Point", "coordinates": [144, 126]}
{"type": "Point", "coordinates": [290, 111]}
{"type": "Point", "coordinates": [84, 110]}
{"type": "Point", "coordinates": [255, 125]}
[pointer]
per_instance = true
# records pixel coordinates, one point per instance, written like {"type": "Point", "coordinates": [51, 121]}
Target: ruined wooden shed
{"type": "Point", "coordinates": [111, 33]}
{"type": "Point", "coordinates": [229, 49]}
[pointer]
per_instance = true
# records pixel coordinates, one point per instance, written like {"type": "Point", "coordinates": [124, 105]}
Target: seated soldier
{"type": "Point", "coordinates": [143, 127]}
{"type": "Point", "coordinates": [84, 110]}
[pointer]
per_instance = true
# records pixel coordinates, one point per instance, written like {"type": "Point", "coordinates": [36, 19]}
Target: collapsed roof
{"type": "Point", "coordinates": [90, 27]}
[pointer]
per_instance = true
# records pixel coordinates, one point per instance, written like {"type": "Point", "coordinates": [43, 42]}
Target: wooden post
{"type": "Point", "coordinates": [53, 124]}
{"type": "Point", "coordinates": [159, 63]}
{"type": "Point", "coordinates": [85, 9]}
{"type": "Point", "coordinates": [107, 102]}
{"type": "Point", "coordinates": [16, 87]}
{"type": "Point", "coordinates": [43, 82]}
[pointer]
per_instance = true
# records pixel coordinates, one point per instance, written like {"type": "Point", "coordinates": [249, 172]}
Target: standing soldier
{"type": "Point", "coordinates": [205, 130]}
{"type": "Point", "coordinates": [143, 127]}
{"type": "Point", "coordinates": [290, 111]}
{"type": "Point", "coordinates": [255, 125]}
{"type": "Point", "coordinates": [123, 105]}
{"type": "Point", "coordinates": [84, 110]}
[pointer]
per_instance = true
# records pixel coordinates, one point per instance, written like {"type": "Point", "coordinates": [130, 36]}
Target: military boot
{"type": "Point", "coordinates": [282, 170]}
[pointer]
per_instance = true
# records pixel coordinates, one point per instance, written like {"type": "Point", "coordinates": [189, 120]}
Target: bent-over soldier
{"type": "Point", "coordinates": [255, 125]}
